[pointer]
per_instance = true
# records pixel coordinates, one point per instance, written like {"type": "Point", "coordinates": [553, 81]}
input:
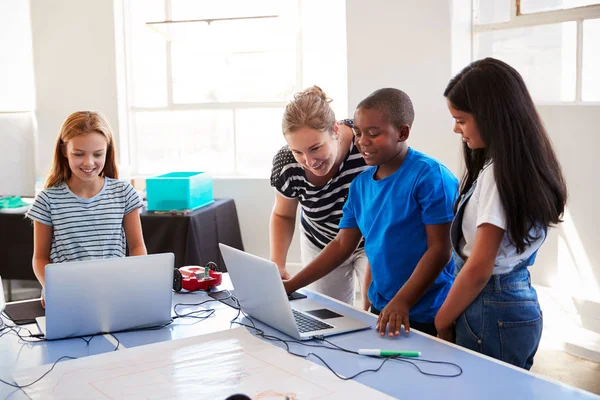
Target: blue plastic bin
{"type": "Point", "coordinates": [179, 191]}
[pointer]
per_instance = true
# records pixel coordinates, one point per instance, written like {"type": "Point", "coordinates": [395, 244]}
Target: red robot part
{"type": "Point", "coordinates": [193, 278]}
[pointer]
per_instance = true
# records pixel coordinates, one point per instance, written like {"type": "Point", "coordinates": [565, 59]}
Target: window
{"type": "Point", "coordinates": [554, 44]}
{"type": "Point", "coordinates": [208, 80]}
{"type": "Point", "coordinates": [16, 58]}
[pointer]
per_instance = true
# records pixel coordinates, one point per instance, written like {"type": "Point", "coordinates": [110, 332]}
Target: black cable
{"type": "Point", "coordinates": [262, 334]}
{"type": "Point", "coordinates": [193, 314]}
{"type": "Point", "coordinates": [4, 329]}
{"type": "Point", "coordinates": [40, 378]}
{"type": "Point", "coordinates": [16, 330]}
{"type": "Point", "coordinates": [4, 326]}
{"type": "Point", "coordinates": [118, 342]}
{"type": "Point", "coordinates": [87, 341]}
{"type": "Point", "coordinates": [411, 361]}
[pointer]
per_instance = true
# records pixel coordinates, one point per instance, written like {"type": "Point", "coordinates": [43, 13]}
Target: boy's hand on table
{"type": "Point", "coordinates": [394, 314]}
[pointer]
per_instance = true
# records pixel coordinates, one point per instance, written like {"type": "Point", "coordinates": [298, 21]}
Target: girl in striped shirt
{"type": "Point", "coordinates": [84, 212]}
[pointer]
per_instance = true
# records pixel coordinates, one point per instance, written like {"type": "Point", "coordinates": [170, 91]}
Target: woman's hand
{"type": "Point", "coordinates": [366, 302]}
{"type": "Point", "coordinates": [285, 275]}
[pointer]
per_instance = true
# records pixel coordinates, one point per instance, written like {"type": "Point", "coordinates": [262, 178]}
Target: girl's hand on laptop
{"type": "Point", "coordinates": [394, 314]}
{"type": "Point", "coordinates": [285, 275]}
{"type": "Point", "coordinates": [43, 295]}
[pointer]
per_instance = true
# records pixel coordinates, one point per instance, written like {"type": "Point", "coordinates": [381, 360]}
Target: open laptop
{"type": "Point", "coordinates": [107, 295]}
{"type": "Point", "coordinates": [260, 291]}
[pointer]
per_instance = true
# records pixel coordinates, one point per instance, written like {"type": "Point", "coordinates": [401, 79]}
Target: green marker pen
{"type": "Point", "coordinates": [388, 353]}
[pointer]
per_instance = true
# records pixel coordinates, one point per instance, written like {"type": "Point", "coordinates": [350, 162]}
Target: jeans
{"type": "Point", "coordinates": [504, 321]}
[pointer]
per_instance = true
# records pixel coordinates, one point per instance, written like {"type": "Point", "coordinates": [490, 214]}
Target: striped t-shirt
{"type": "Point", "coordinates": [85, 229]}
{"type": "Point", "coordinates": [321, 206]}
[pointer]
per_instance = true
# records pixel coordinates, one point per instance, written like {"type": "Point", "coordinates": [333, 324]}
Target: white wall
{"type": "Point", "coordinates": [570, 258]}
{"type": "Point", "coordinates": [254, 199]}
{"type": "Point", "coordinates": [74, 64]}
{"type": "Point", "coordinates": [405, 44]}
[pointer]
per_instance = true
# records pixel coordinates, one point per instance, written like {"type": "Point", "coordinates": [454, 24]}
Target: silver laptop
{"type": "Point", "coordinates": [107, 295]}
{"type": "Point", "coordinates": [260, 291]}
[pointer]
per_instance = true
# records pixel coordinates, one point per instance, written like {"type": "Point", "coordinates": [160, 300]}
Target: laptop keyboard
{"type": "Point", "coordinates": [308, 324]}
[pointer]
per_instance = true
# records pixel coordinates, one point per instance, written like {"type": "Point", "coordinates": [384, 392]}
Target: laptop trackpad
{"type": "Point", "coordinates": [324, 313]}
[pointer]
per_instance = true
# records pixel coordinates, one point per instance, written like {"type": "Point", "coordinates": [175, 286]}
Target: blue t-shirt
{"type": "Point", "coordinates": [391, 214]}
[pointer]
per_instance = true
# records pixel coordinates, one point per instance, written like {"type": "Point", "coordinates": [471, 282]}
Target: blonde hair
{"type": "Point", "coordinates": [81, 123]}
{"type": "Point", "coordinates": [310, 108]}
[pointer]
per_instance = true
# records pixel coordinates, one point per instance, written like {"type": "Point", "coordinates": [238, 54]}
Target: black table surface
{"type": "Point", "coordinates": [194, 237]}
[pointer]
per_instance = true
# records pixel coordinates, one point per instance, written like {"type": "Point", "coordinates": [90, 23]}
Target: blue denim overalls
{"type": "Point", "coordinates": [505, 320]}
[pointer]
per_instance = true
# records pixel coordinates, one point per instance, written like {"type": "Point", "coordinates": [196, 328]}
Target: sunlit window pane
{"type": "Point", "coordinates": [207, 9]}
{"type": "Point", "coordinates": [16, 61]}
{"type": "Point", "coordinates": [229, 80]}
{"type": "Point", "coordinates": [324, 55]}
{"type": "Point", "coordinates": [258, 138]}
{"type": "Point", "coordinates": [490, 11]}
{"type": "Point", "coordinates": [533, 6]}
{"type": "Point", "coordinates": [591, 61]}
{"type": "Point", "coordinates": [248, 60]}
{"type": "Point", "coordinates": [544, 55]}
{"type": "Point", "coordinates": [148, 77]}
{"type": "Point", "coordinates": [185, 141]}
{"type": "Point", "coordinates": [200, 77]}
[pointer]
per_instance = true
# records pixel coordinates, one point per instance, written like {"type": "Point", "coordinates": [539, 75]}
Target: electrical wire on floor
{"type": "Point", "coordinates": [332, 346]}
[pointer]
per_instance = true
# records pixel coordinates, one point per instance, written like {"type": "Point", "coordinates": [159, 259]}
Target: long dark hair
{"type": "Point", "coordinates": [529, 178]}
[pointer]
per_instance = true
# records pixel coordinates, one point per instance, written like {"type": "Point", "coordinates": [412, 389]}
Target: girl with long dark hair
{"type": "Point", "coordinates": [511, 192]}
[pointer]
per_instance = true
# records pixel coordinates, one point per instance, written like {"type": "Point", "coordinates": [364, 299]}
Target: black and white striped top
{"type": "Point", "coordinates": [321, 206]}
{"type": "Point", "coordinates": [85, 229]}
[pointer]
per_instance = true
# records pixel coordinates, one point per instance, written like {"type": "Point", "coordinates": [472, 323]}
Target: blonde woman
{"type": "Point", "coordinates": [314, 170]}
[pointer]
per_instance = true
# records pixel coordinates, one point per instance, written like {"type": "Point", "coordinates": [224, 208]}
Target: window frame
{"type": "Point", "coordinates": [517, 19]}
{"type": "Point", "coordinates": [132, 110]}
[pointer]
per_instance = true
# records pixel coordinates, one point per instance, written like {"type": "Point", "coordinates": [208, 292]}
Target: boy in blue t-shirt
{"type": "Point", "coordinates": [403, 207]}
